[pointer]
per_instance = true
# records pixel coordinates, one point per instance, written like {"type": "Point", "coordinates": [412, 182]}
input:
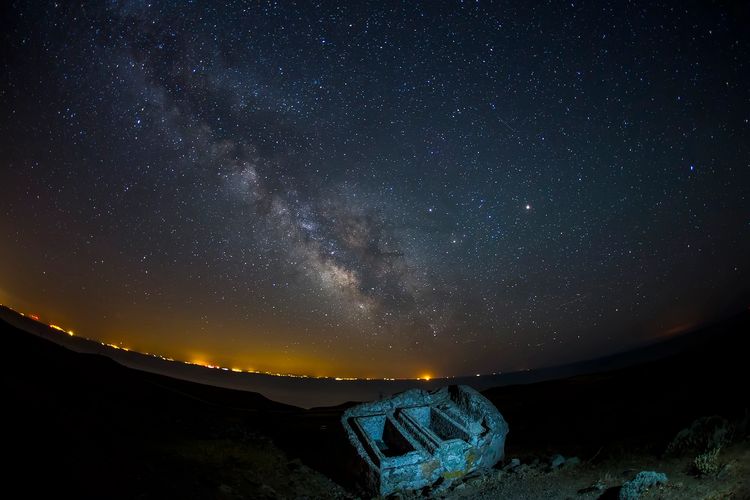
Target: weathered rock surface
{"type": "Point", "coordinates": [633, 489]}
{"type": "Point", "coordinates": [418, 438]}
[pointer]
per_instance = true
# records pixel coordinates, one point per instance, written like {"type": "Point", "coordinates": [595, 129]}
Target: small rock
{"type": "Point", "coordinates": [724, 472]}
{"type": "Point", "coordinates": [633, 489]}
{"type": "Point", "coordinates": [557, 461]}
{"type": "Point", "coordinates": [514, 463]}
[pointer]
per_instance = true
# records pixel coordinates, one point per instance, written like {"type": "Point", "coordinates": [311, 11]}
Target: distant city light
{"type": "Point", "coordinates": [205, 364]}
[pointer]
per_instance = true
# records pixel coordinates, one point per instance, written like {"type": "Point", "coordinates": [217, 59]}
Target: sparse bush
{"type": "Point", "coordinates": [705, 433]}
{"type": "Point", "coordinates": [707, 464]}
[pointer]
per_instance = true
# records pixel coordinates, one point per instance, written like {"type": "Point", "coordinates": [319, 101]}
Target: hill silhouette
{"type": "Point", "coordinates": [83, 424]}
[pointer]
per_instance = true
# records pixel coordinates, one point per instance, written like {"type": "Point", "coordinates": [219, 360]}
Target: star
{"type": "Point", "coordinates": [352, 176]}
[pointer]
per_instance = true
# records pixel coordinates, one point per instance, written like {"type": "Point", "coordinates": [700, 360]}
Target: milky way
{"type": "Point", "coordinates": [376, 190]}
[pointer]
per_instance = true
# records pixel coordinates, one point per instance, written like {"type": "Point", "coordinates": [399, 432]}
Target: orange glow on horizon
{"type": "Point", "coordinates": [287, 364]}
{"type": "Point", "coordinates": [677, 330]}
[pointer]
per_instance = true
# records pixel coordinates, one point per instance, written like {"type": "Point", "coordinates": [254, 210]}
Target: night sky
{"type": "Point", "coordinates": [387, 189]}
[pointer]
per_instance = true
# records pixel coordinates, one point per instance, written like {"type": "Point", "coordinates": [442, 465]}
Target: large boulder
{"type": "Point", "coordinates": [419, 438]}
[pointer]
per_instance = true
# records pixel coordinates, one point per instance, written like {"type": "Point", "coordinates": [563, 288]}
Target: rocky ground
{"type": "Point", "coordinates": [243, 476]}
{"type": "Point", "coordinates": [94, 429]}
{"type": "Point", "coordinates": [235, 464]}
{"type": "Point", "coordinates": [604, 479]}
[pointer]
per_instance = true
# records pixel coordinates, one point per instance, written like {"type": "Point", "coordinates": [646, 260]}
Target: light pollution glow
{"type": "Point", "coordinates": [206, 364]}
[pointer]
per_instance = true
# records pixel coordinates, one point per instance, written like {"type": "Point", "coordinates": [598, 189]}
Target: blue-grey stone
{"type": "Point", "coordinates": [557, 461]}
{"type": "Point", "coordinates": [633, 489]}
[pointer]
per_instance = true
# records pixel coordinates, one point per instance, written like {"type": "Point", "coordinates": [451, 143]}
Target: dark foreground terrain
{"type": "Point", "coordinates": [83, 425]}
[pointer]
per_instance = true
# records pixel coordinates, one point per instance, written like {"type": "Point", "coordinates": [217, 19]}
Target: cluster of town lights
{"type": "Point", "coordinates": [425, 378]}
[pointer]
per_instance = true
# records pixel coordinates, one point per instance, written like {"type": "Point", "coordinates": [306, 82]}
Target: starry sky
{"type": "Point", "coordinates": [386, 189]}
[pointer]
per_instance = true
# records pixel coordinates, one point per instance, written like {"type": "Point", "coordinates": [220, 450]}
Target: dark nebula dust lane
{"type": "Point", "coordinates": [366, 190]}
